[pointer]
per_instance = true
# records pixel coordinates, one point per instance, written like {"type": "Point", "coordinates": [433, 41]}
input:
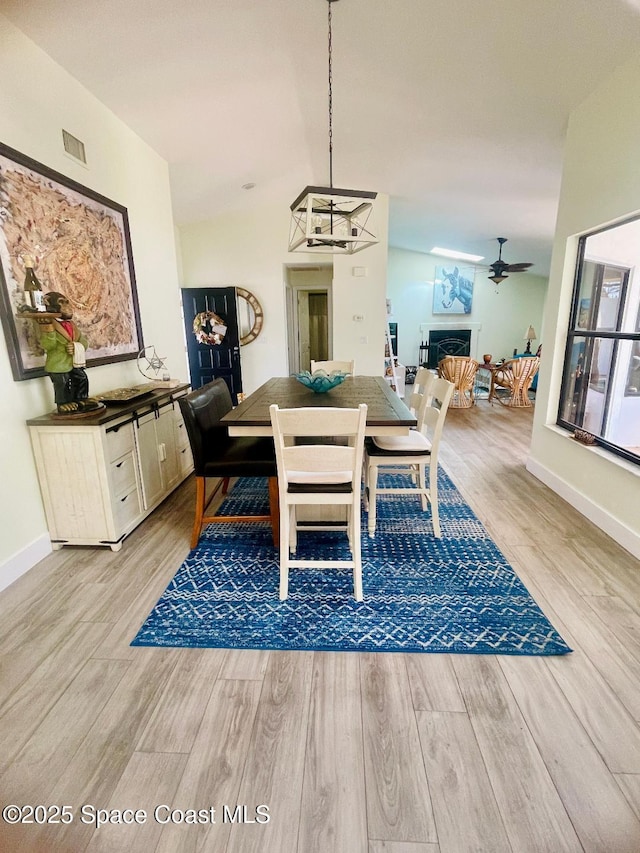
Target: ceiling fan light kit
{"type": "Point", "coordinates": [329, 219]}
{"type": "Point", "coordinates": [500, 267]}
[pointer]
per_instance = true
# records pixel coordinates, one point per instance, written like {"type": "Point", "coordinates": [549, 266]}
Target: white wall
{"type": "Point", "coordinates": [601, 183]}
{"type": "Point", "coordinates": [503, 315]}
{"type": "Point", "coordinates": [37, 100]}
{"type": "Point", "coordinates": [249, 250]}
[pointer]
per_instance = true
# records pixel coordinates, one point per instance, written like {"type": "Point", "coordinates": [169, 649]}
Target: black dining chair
{"type": "Point", "coordinates": [216, 454]}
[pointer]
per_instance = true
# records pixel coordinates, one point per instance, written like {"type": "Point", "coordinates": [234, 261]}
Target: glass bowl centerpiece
{"type": "Point", "coordinates": [320, 381]}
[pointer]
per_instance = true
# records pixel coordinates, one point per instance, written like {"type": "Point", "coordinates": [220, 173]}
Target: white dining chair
{"type": "Point", "coordinates": [422, 382]}
{"type": "Point", "coordinates": [411, 454]}
{"type": "Point", "coordinates": [330, 366]}
{"type": "Point", "coordinates": [328, 474]}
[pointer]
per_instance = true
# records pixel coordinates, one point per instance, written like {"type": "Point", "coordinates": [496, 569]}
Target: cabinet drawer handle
{"type": "Point", "coordinates": [122, 500]}
{"type": "Point", "coordinates": [119, 464]}
{"type": "Point", "coordinates": [119, 426]}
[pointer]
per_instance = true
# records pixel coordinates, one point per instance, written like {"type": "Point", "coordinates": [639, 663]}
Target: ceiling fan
{"type": "Point", "coordinates": [500, 267]}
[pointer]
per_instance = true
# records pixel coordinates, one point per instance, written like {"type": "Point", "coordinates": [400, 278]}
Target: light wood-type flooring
{"type": "Point", "coordinates": [350, 753]}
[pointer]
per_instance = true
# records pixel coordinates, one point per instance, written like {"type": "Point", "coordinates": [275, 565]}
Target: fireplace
{"type": "Point", "coordinates": [447, 342]}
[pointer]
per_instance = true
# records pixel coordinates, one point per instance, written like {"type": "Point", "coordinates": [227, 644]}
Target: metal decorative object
{"type": "Point", "coordinates": [150, 365]}
{"type": "Point", "coordinates": [328, 219]}
{"type": "Point", "coordinates": [124, 395]}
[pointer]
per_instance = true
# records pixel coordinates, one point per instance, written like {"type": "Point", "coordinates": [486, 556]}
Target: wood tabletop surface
{"type": "Point", "coordinates": [385, 408]}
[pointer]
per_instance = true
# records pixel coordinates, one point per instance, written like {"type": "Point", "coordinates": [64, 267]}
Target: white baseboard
{"type": "Point", "coordinates": [20, 563]}
{"type": "Point", "coordinates": [618, 531]}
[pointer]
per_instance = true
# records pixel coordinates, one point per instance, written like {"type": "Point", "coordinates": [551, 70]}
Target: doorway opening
{"type": "Point", "coordinates": [309, 312]}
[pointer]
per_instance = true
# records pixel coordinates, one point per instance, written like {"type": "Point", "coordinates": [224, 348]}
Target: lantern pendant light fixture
{"type": "Point", "coordinates": [328, 219]}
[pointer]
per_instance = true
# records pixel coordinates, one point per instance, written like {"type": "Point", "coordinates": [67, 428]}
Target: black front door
{"type": "Point", "coordinates": [213, 347]}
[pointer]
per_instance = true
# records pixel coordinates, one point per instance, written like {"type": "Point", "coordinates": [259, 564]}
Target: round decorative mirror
{"type": "Point", "coordinates": [250, 316]}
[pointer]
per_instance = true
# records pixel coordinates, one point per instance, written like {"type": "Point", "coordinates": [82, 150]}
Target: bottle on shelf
{"type": "Point", "coordinates": [33, 294]}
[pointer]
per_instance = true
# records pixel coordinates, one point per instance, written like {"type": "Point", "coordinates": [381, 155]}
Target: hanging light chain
{"type": "Point", "coordinates": [330, 103]}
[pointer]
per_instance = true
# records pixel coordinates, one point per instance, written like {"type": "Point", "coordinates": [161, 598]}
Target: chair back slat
{"type": "Point", "coordinates": [298, 463]}
{"type": "Point", "coordinates": [330, 366]}
{"type": "Point", "coordinates": [432, 415]}
{"type": "Point", "coordinates": [305, 463]}
{"type": "Point", "coordinates": [323, 420]}
{"type": "Point", "coordinates": [421, 385]}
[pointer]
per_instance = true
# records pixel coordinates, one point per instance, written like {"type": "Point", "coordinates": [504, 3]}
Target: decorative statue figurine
{"type": "Point", "coordinates": [65, 346]}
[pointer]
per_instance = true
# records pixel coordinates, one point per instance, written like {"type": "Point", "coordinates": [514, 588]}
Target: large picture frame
{"type": "Point", "coordinates": [79, 244]}
{"type": "Point", "coordinates": [453, 290]}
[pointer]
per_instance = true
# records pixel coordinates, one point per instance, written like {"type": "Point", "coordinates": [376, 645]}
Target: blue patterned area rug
{"type": "Point", "coordinates": [421, 594]}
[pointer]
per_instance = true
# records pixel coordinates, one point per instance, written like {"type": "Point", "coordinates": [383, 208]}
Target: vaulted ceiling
{"type": "Point", "coordinates": [457, 109]}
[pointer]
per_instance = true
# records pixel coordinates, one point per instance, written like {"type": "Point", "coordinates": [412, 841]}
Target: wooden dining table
{"type": "Point", "coordinates": [387, 414]}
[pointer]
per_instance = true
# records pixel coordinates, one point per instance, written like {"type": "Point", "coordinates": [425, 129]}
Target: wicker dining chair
{"type": "Point", "coordinates": [461, 371]}
{"type": "Point", "coordinates": [516, 375]}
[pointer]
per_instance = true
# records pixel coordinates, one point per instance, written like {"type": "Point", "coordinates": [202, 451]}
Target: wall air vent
{"type": "Point", "coordinates": [74, 147]}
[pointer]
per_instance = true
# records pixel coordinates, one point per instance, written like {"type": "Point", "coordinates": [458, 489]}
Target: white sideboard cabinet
{"type": "Point", "coordinates": [101, 475]}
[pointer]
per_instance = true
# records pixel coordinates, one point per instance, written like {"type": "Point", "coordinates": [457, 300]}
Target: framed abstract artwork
{"type": "Point", "coordinates": [72, 241]}
{"type": "Point", "coordinates": [453, 290]}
